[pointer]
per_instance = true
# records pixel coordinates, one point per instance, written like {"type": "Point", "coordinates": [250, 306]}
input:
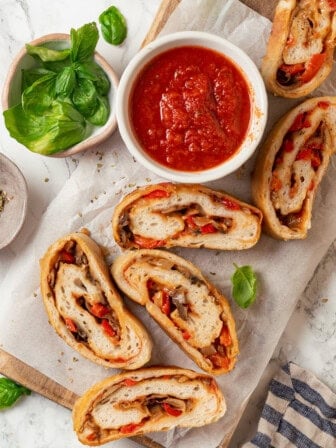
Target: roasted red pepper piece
{"type": "Point", "coordinates": [225, 337]}
{"type": "Point", "coordinates": [91, 437]}
{"type": "Point", "coordinates": [309, 154]}
{"type": "Point", "coordinates": [129, 382]}
{"type": "Point", "coordinates": [148, 243]}
{"type": "Point", "coordinates": [313, 66]}
{"type": "Point", "coordinates": [165, 308]}
{"type": "Point", "coordinates": [232, 205]}
{"type": "Point", "coordinates": [130, 428]}
{"type": "Point", "coordinates": [186, 335]}
{"type": "Point", "coordinates": [171, 411]}
{"type": "Point", "coordinates": [323, 104]}
{"type": "Point", "coordinates": [190, 221]}
{"type": "Point", "coordinates": [99, 310]}
{"type": "Point", "coordinates": [120, 359]}
{"type": "Point", "coordinates": [208, 228]}
{"type": "Point", "coordinates": [292, 69]}
{"type": "Point", "coordinates": [332, 4]}
{"type": "Point", "coordinates": [288, 145]}
{"type": "Point", "coordinates": [157, 194]}
{"type": "Point", "coordinates": [67, 257]}
{"type": "Point", "coordinates": [300, 122]}
{"type": "Point", "coordinates": [107, 328]}
{"type": "Point", "coordinates": [219, 361]}
{"type": "Point", "coordinates": [70, 325]}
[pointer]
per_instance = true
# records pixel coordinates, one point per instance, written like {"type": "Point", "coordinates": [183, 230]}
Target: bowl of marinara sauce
{"type": "Point", "coordinates": [191, 107]}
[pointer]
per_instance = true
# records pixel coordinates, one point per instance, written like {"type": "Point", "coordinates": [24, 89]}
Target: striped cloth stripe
{"type": "Point", "coordinates": [300, 412]}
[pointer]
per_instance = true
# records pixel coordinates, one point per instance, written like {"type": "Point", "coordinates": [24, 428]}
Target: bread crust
{"type": "Point", "coordinates": [166, 384]}
{"type": "Point", "coordinates": [187, 215]}
{"type": "Point", "coordinates": [279, 160]}
{"type": "Point", "coordinates": [155, 277]}
{"type": "Point", "coordinates": [65, 298]}
{"type": "Point", "coordinates": [297, 25]}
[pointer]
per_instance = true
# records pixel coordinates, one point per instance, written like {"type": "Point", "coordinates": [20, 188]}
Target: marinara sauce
{"type": "Point", "coordinates": [190, 108]}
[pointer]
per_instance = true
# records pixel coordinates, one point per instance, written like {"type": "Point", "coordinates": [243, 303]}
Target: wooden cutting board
{"type": "Point", "coordinates": [33, 379]}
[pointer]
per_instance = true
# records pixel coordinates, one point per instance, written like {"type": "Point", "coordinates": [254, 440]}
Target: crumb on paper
{"type": "Point", "coordinates": [74, 359]}
{"type": "Point", "coordinates": [46, 179]}
{"type": "Point", "coordinates": [324, 300]}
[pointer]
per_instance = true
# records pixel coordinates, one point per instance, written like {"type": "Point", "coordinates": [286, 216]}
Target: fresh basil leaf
{"type": "Point", "coordinates": [244, 282]}
{"type": "Point", "coordinates": [91, 70]}
{"type": "Point", "coordinates": [65, 82]}
{"type": "Point", "coordinates": [60, 127]}
{"type": "Point", "coordinates": [100, 117]}
{"type": "Point", "coordinates": [29, 76]}
{"type": "Point", "coordinates": [10, 392]}
{"type": "Point", "coordinates": [47, 54]}
{"type": "Point", "coordinates": [83, 42]}
{"type": "Point", "coordinates": [57, 66]}
{"type": "Point", "coordinates": [39, 96]}
{"type": "Point", "coordinates": [85, 97]}
{"type": "Point", "coordinates": [113, 26]}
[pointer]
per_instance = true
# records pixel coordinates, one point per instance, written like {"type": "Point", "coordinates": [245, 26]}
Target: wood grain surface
{"type": "Point", "coordinates": [33, 379]}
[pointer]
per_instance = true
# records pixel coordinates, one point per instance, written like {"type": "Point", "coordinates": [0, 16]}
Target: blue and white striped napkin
{"type": "Point", "coordinates": [299, 412]}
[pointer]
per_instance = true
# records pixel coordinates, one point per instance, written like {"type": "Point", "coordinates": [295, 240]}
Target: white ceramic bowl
{"type": "Point", "coordinates": [11, 93]}
{"type": "Point", "coordinates": [257, 95]}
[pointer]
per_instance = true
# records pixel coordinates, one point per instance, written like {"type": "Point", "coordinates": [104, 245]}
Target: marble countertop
{"type": "Point", "coordinates": [36, 422]}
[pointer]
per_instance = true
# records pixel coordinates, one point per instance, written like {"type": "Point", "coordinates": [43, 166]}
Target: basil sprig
{"type": "Point", "coordinates": [244, 285]}
{"type": "Point", "coordinates": [62, 95]}
{"type": "Point", "coordinates": [113, 26]}
{"type": "Point", "coordinates": [10, 392]}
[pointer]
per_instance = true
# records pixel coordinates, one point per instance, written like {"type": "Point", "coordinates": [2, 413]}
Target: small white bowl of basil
{"type": "Point", "coordinates": [59, 95]}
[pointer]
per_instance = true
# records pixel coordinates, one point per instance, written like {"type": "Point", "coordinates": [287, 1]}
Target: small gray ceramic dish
{"type": "Point", "coordinates": [13, 200]}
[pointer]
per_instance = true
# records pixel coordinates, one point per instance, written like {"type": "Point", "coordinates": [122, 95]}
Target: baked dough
{"type": "Point", "coordinates": [291, 164]}
{"type": "Point", "coordinates": [300, 49]}
{"type": "Point", "coordinates": [183, 302]}
{"type": "Point", "coordinates": [85, 308]}
{"type": "Point", "coordinates": [152, 399]}
{"type": "Point", "coordinates": [188, 215]}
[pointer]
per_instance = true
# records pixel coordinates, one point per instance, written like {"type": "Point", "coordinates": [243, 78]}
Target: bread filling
{"type": "Point", "coordinates": [300, 162]}
{"type": "Point", "coordinates": [311, 26]}
{"type": "Point", "coordinates": [149, 222]}
{"type": "Point", "coordinates": [84, 309]}
{"type": "Point", "coordinates": [186, 301]}
{"type": "Point", "coordinates": [126, 407]}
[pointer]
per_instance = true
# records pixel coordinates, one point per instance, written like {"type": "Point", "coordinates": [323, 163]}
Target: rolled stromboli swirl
{"type": "Point", "coordinates": [85, 308]}
{"type": "Point", "coordinates": [188, 215]}
{"type": "Point", "coordinates": [152, 399]}
{"type": "Point", "coordinates": [291, 164]}
{"type": "Point", "coordinates": [300, 49]}
{"type": "Point", "coordinates": [183, 302]}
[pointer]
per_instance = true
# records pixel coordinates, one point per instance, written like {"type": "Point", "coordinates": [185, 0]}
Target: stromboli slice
{"type": "Point", "coordinates": [146, 400]}
{"type": "Point", "coordinates": [188, 215]}
{"type": "Point", "coordinates": [181, 300]}
{"type": "Point", "coordinates": [299, 54]}
{"type": "Point", "coordinates": [291, 164]}
{"type": "Point", "coordinates": [85, 308]}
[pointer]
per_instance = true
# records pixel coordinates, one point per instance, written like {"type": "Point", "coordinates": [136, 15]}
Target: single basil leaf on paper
{"type": "Point", "coordinates": [83, 42]}
{"type": "Point", "coordinates": [29, 76]}
{"type": "Point", "coordinates": [65, 82]}
{"type": "Point", "coordinates": [113, 26]}
{"type": "Point", "coordinates": [47, 54]}
{"type": "Point", "coordinates": [244, 285]}
{"type": "Point", "coordinates": [60, 127]}
{"type": "Point", "coordinates": [100, 117]}
{"type": "Point", "coordinates": [39, 96]}
{"type": "Point", "coordinates": [10, 392]}
{"type": "Point", "coordinates": [85, 97]}
{"type": "Point", "coordinates": [91, 70]}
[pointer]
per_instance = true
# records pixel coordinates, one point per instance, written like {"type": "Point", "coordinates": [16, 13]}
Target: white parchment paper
{"type": "Point", "coordinates": [101, 179]}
